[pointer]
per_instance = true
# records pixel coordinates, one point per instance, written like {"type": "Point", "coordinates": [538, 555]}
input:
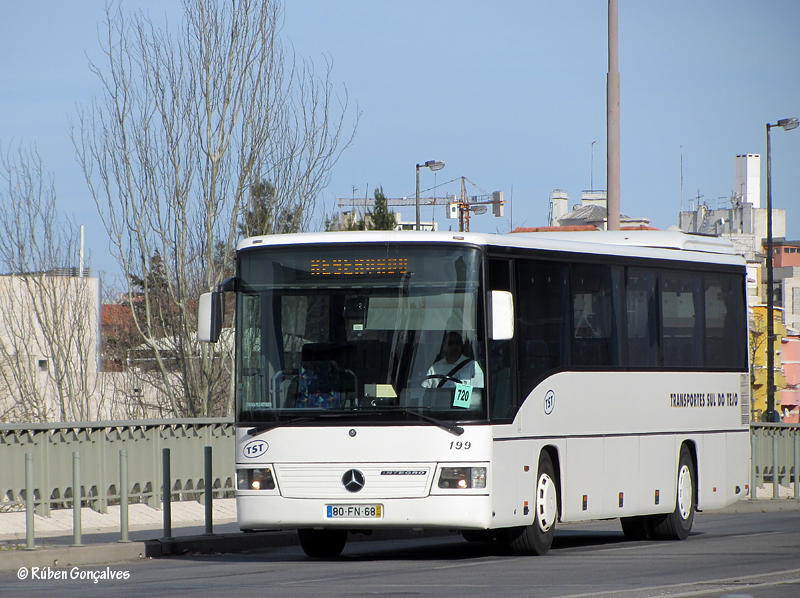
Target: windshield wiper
{"type": "Point", "coordinates": [263, 427]}
{"type": "Point", "coordinates": [258, 428]}
{"type": "Point", "coordinates": [452, 428]}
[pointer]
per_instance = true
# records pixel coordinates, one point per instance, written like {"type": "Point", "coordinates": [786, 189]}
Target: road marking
{"type": "Point", "coordinates": [706, 586]}
{"type": "Point", "coordinates": [647, 544]}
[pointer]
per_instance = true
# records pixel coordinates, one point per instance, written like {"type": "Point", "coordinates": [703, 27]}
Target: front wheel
{"type": "Point", "coordinates": [538, 537]}
{"type": "Point", "coordinates": [678, 524]}
{"type": "Point", "coordinates": [322, 543]}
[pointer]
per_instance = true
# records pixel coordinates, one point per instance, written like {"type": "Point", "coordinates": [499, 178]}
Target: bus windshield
{"type": "Point", "coordinates": [328, 331]}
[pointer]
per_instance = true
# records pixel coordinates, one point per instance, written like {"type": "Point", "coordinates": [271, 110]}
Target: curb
{"type": "Point", "coordinates": [96, 554]}
{"type": "Point", "coordinates": [772, 505]}
{"type": "Point", "coordinates": [219, 543]}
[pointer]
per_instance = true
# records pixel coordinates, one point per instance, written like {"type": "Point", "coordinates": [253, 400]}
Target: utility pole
{"type": "Point", "coordinates": [612, 119]}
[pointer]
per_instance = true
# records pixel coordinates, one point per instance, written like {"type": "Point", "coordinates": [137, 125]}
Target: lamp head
{"type": "Point", "coordinates": [788, 123]}
{"type": "Point", "coordinates": [439, 164]}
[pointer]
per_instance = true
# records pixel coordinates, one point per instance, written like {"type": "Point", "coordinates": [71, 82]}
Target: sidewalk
{"type": "Point", "coordinates": [140, 517]}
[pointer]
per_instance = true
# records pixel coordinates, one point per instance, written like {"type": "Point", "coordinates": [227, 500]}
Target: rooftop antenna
{"type": "Point", "coordinates": [681, 178]}
{"type": "Point", "coordinates": [697, 198]}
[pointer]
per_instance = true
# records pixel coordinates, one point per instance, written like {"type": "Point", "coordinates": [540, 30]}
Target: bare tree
{"type": "Point", "coordinates": [48, 309]}
{"type": "Point", "coordinates": [188, 123]}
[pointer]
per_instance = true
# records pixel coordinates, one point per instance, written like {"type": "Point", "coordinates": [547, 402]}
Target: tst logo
{"type": "Point", "coordinates": [549, 402]}
{"type": "Point", "coordinates": [255, 448]}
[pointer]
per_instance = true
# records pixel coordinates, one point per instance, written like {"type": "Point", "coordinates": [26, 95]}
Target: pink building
{"type": "Point", "coordinates": [790, 396]}
{"type": "Point", "coordinates": [785, 253]}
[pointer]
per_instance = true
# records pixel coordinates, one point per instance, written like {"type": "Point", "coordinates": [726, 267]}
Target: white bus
{"type": "Point", "coordinates": [491, 384]}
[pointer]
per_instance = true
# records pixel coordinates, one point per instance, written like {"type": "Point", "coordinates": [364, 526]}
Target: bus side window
{"type": "Point", "coordinates": [594, 321]}
{"type": "Point", "coordinates": [725, 321]}
{"type": "Point", "coordinates": [542, 322]}
{"type": "Point", "coordinates": [502, 391]}
{"type": "Point", "coordinates": [682, 319]}
{"type": "Point", "coordinates": [642, 328]}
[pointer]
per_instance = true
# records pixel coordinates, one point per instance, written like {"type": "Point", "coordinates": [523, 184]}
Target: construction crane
{"type": "Point", "coordinates": [368, 202]}
{"type": "Point", "coordinates": [460, 207]}
{"type": "Point", "coordinates": [475, 204]}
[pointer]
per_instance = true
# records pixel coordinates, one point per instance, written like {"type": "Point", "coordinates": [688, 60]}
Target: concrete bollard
{"type": "Point", "coordinates": [123, 496]}
{"type": "Point", "coordinates": [166, 493]}
{"type": "Point", "coordinates": [209, 499]}
{"type": "Point", "coordinates": [753, 465]}
{"type": "Point", "coordinates": [30, 543]}
{"type": "Point", "coordinates": [796, 452]}
{"type": "Point", "coordinates": [76, 499]}
{"type": "Point", "coordinates": [775, 490]}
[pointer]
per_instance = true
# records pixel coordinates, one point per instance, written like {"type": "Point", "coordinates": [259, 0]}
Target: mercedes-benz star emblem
{"type": "Point", "coordinates": [353, 480]}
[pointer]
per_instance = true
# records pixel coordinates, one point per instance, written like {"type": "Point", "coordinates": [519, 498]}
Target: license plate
{"type": "Point", "coordinates": [355, 511]}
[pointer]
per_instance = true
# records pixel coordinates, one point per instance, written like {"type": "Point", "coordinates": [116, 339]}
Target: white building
{"type": "Point", "coordinates": [592, 211]}
{"type": "Point", "coordinates": [743, 221]}
{"type": "Point", "coordinates": [49, 346]}
{"type": "Point", "coordinates": [747, 178]}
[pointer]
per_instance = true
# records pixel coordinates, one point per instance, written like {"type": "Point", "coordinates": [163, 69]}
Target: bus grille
{"type": "Point", "coordinates": [389, 480]}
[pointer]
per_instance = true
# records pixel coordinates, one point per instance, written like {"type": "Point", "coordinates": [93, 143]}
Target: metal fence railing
{"type": "Point", "coordinates": [775, 457]}
{"type": "Point", "coordinates": [98, 445]}
{"type": "Point", "coordinates": [40, 463]}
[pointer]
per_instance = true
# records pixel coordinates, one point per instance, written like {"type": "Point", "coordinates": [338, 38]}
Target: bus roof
{"type": "Point", "coordinates": [672, 245]}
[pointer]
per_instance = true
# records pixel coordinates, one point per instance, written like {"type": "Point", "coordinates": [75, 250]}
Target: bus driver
{"type": "Point", "coordinates": [454, 366]}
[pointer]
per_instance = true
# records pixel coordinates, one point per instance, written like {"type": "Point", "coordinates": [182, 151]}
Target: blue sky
{"type": "Point", "coordinates": [510, 94]}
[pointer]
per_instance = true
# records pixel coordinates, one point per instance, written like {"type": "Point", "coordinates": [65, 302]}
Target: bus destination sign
{"type": "Point", "coordinates": [343, 266]}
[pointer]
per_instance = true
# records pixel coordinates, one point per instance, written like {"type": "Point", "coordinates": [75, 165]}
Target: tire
{"type": "Point", "coordinates": [538, 537]}
{"type": "Point", "coordinates": [322, 543]}
{"type": "Point", "coordinates": [678, 524]}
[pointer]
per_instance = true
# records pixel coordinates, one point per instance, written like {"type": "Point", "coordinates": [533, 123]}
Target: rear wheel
{"type": "Point", "coordinates": [538, 537]}
{"type": "Point", "coordinates": [322, 543]}
{"type": "Point", "coordinates": [678, 524]}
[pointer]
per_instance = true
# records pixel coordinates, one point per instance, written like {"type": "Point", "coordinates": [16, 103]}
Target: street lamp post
{"type": "Point", "coordinates": [787, 124]}
{"type": "Point", "coordinates": [433, 165]}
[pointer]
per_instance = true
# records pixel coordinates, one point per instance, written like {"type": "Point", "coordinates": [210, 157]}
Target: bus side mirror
{"type": "Point", "coordinates": [209, 317]}
{"type": "Point", "coordinates": [501, 315]}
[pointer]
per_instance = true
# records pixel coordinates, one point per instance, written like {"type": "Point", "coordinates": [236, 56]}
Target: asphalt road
{"type": "Point", "coordinates": [755, 554]}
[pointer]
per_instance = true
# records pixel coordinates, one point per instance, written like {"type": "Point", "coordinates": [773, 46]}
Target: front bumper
{"type": "Point", "coordinates": [260, 511]}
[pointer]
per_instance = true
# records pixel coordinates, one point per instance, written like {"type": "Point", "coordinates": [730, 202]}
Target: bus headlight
{"type": "Point", "coordinates": [462, 477]}
{"type": "Point", "coordinates": [255, 479]}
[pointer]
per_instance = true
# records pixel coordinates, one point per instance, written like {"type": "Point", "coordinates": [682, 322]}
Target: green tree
{"type": "Point", "coordinates": [382, 218]}
{"type": "Point", "coordinates": [379, 218]}
{"type": "Point", "coordinates": [266, 215]}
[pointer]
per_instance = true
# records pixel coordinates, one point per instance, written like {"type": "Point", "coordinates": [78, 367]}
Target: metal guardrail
{"type": "Point", "coordinates": [775, 457]}
{"type": "Point", "coordinates": [98, 445]}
